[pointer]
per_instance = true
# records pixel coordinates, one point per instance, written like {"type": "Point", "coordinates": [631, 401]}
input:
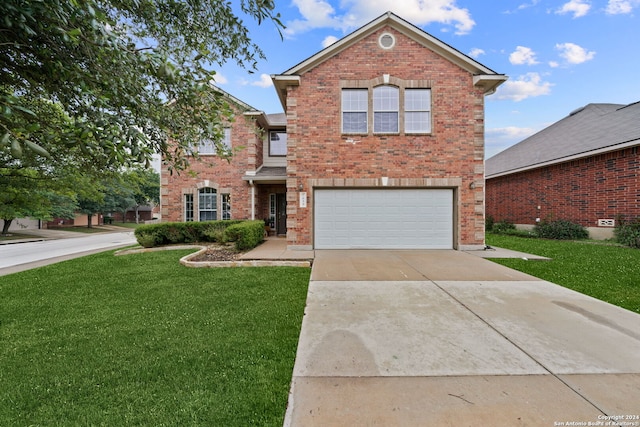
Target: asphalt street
{"type": "Point", "coordinates": [22, 256]}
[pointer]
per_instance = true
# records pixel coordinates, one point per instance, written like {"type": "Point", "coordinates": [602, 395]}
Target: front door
{"type": "Point", "coordinates": [281, 213]}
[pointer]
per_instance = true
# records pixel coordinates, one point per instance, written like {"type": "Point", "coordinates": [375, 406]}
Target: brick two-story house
{"type": "Point", "coordinates": [381, 146]}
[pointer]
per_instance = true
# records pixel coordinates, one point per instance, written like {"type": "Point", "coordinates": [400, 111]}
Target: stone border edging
{"type": "Point", "coordinates": [186, 260]}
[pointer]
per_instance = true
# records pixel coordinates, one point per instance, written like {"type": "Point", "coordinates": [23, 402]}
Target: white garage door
{"type": "Point", "coordinates": [383, 219]}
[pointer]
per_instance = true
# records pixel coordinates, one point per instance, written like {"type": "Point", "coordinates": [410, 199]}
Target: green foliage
{"type": "Point", "coordinates": [628, 233]}
{"type": "Point", "coordinates": [503, 227]}
{"type": "Point", "coordinates": [246, 235]}
{"type": "Point", "coordinates": [189, 232]}
{"type": "Point", "coordinates": [560, 230]}
{"type": "Point", "coordinates": [489, 221]}
{"type": "Point", "coordinates": [141, 340]}
{"type": "Point", "coordinates": [602, 270]}
{"type": "Point", "coordinates": [214, 231]}
{"type": "Point", "coordinates": [147, 240]}
{"type": "Point", "coordinates": [126, 75]}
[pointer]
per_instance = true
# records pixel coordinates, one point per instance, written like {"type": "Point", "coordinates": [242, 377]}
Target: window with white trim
{"type": "Point", "coordinates": [188, 207]}
{"type": "Point", "coordinates": [277, 143]}
{"type": "Point", "coordinates": [207, 204]}
{"type": "Point", "coordinates": [207, 147]}
{"type": "Point", "coordinates": [226, 206]}
{"type": "Point", "coordinates": [417, 110]}
{"type": "Point", "coordinates": [386, 106]}
{"type": "Point", "coordinates": [355, 107]}
{"type": "Point", "coordinates": [272, 211]}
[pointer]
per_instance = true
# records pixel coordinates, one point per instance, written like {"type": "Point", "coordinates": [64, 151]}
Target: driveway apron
{"type": "Point", "coordinates": [448, 338]}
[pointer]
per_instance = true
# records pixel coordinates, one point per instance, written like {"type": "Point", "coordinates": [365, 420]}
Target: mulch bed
{"type": "Point", "coordinates": [218, 253]}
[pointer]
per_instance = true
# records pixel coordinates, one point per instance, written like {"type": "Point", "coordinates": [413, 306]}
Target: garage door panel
{"type": "Point", "coordinates": [383, 218]}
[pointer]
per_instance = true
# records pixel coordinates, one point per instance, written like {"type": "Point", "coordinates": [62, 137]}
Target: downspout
{"type": "Point", "coordinates": [253, 200]}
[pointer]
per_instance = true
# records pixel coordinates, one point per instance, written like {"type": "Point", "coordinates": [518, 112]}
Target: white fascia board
{"type": "Point", "coordinates": [489, 82]}
{"type": "Point", "coordinates": [280, 82]}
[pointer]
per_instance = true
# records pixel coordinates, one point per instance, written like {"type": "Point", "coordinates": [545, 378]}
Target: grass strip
{"type": "Point", "coordinates": [605, 271]}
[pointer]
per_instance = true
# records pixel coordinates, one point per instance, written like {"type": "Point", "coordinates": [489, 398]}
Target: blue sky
{"type": "Point", "coordinates": [559, 55]}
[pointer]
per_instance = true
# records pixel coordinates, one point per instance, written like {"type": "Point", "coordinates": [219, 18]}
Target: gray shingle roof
{"type": "Point", "coordinates": [592, 129]}
{"type": "Point", "coordinates": [277, 119]}
{"type": "Point", "coordinates": [268, 173]}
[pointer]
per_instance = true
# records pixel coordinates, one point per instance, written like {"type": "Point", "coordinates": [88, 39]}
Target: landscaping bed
{"type": "Point", "coordinates": [218, 253]}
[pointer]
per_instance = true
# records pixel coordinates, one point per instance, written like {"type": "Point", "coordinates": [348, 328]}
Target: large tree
{"type": "Point", "coordinates": [129, 75]}
{"type": "Point", "coordinates": [43, 184]}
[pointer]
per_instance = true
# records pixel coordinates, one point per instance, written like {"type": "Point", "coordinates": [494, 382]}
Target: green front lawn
{"type": "Point", "coordinates": [605, 271]}
{"type": "Point", "coordinates": [142, 340]}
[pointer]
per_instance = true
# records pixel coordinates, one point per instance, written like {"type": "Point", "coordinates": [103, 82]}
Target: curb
{"type": "Point", "coordinates": [186, 260]}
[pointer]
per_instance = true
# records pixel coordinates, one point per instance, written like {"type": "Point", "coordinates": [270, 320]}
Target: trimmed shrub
{"type": "Point", "coordinates": [489, 221]}
{"type": "Point", "coordinates": [165, 233]}
{"type": "Point", "coordinates": [628, 233]}
{"type": "Point", "coordinates": [503, 227]}
{"type": "Point", "coordinates": [214, 231]}
{"type": "Point", "coordinates": [560, 230]}
{"type": "Point", "coordinates": [246, 235]}
{"type": "Point", "coordinates": [147, 240]}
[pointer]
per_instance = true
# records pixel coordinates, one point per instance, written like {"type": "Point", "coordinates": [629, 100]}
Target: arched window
{"type": "Point", "coordinates": [386, 106]}
{"type": "Point", "coordinates": [207, 204]}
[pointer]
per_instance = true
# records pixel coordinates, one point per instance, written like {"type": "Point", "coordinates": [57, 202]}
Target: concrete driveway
{"type": "Point", "coordinates": [413, 338]}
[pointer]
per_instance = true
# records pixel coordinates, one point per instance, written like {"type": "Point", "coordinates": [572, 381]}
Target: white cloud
{"type": "Point", "coordinates": [315, 14]}
{"type": "Point", "coordinates": [574, 54]}
{"type": "Point", "coordinates": [499, 139]}
{"type": "Point", "coordinates": [510, 132]}
{"type": "Point", "coordinates": [526, 86]}
{"type": "Point", "coordinates": [219, 79]}
{"type": "Point", "coordinates": [618, 7]}
{"type": "Point", "coordinates": [328, 41]}
{"type": "Point", "coordinates": [577, 7]}
{"type": "Point", "coordinates": [554, 64]}
{"type": "Point", "coordinates": [476, 52]}
{"type": "Point", "coordinates": [354, 13]}
{"type": "Point", "coordinates": [522, 6]}
{"type": "Point", "coordinates": [528, 5]}
{"type": "Point", "coordinates": [523, 55]}
{"type": "Point", "coordinates": [265, 81]}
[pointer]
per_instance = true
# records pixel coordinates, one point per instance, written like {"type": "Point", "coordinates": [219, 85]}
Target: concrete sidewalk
{"type": "Point", "coordinates": [447, 338]}
{"type": "Point", "coordinates": [275, 248]}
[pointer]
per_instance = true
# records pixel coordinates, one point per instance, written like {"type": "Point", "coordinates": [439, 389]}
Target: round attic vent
{"type": "Point", "coordinates": [387, 41]}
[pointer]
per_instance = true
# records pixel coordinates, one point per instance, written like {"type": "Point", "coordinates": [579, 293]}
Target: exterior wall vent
{"type": "Point", "coordinates": [606, 223]}
{"type": "Point", "coordinates": [387, 41]}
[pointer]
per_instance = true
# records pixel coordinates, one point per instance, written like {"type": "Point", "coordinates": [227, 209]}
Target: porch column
{"type": "Point", "coordinates": [253, 200]}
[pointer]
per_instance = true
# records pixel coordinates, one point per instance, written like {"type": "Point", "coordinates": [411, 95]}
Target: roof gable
{"type": "Point", "coordinates": [484, 77]}
{"type": "Point", "coordinates": [586, 131]}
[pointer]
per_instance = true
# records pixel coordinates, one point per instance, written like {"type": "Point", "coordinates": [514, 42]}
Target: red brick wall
{"type": "Point", "coordinates": [224, 176]}
{"type": "Point", "coordinates": [454, 149]}
{"type": "Point", "coordinates": [582, 191]}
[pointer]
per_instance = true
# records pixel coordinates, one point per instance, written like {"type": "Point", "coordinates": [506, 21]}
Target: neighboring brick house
{"type": "Point", "coordinates": [215, 188]}
{"type": "Point", "coordinates": [384, 148]}
{"type": "Point", "coordinates": [584, 168]}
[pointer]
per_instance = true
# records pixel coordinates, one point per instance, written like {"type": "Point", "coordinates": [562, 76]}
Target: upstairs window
{"type": "Point", "coordinates": [386, 106]}
{"type": "Point", "coordinates": [277, 143]}
{"type": "Point", "coordinates": [417, 110]}
{"type": "Point", "coordinates": [207, 147]}
{"type": "Point", "coordinates": [354, 110]}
